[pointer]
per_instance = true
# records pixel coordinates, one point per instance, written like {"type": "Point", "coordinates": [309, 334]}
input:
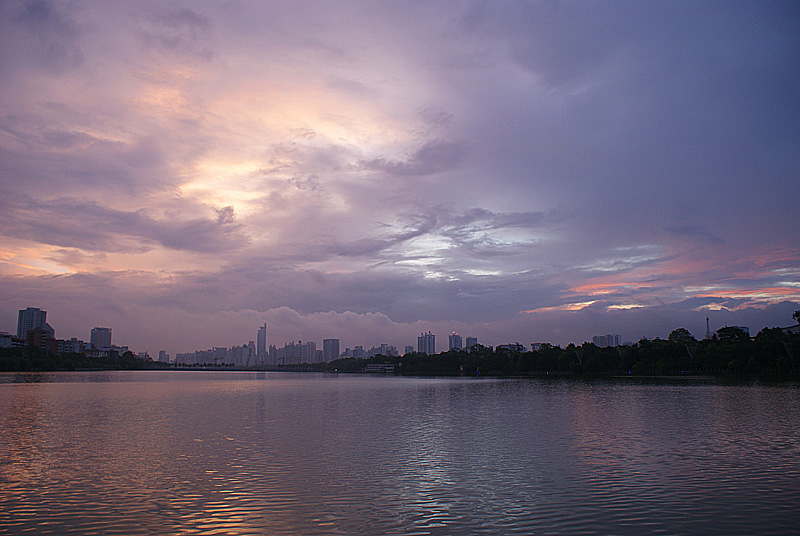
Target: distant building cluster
{"type": "Point", "coordinates": [359, 352]}
{"type": "Point", "coordinates": [243, 356]}
{"type": "Point", "coordinates": [260, 353]}
{"type": "Point", "coordinates": [33, 330]}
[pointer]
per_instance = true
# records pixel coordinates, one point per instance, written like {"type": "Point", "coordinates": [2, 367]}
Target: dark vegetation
{"type": "Point", "coordinates": [32, 359]}
{"type": "Point", "coordinates": [730, 351]}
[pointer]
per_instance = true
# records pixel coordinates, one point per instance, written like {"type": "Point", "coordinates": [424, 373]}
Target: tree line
{"type": "Point", "coordinates": [730, 351]}
{"type": "Point", "coordinates": [33, 359]}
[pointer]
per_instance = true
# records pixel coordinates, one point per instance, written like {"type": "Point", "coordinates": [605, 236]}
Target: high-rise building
{"type": "Point", "coordinates": [29, 319]}
{"type": "Point", "coordinates": [293, 353]}
{"type": "Point", "coordinates": [261, 344]}
{"type": "Point", "coordinates": [455, 341]}
{"type": "Point", "coordinates": [250, 359]}
{"type": "Point", "coordinates": [426, 343]}
{"type": "Point", "coordinates": [471, 341]}
{"type": "Point", "coordinates": [330, 350]}
{"type": "Point", "coordinates": [100, 338]}
{"type": "Point", "coordinates": [605, 340]}
{"type": "Point", "coordinates": [308, 352]}
{"type": "Point", "coordinates": [409, 349]}
{"type": "Point", "coordinates": [388, 350]}
{"type": "Point", "coordinates": [384, 349]}
{"type": "Point", "coordinates": [163, 356]}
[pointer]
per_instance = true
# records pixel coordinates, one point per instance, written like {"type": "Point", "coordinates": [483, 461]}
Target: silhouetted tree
{"type": "Point", "coordinates": [732, 333]}
{"type": "Point", "coordinates": [681, 336]}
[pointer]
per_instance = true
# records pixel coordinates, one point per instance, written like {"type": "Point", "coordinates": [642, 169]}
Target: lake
{"type": "Point", "coordinates": [290, 453]}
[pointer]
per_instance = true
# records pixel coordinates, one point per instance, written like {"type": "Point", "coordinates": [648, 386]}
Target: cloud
{"type": "Point", "coordinates": [694, 231]}
{"type": "Point", "coordinates": [141, 313]}
{"type": "Point", "coordinates": [182, 33]}
{"type": "Point", "coordinates": [537, 35]}
{"type": "Point", "coordinates": [88, 226]}
{"type": "Point", "coordinates": [50, 38]}
{"type": "Point", "coordinates": [433, 157]}
{"type": "Point", "coordinates": [434, 165]}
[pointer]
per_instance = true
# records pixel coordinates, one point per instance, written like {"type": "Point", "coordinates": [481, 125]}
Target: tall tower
{"type": "Point", "coordinates": [708, 329]}
{"type": "Point", "coordinates": [29, 319]}
{"type": "Point", "coordinates": [261, 345]}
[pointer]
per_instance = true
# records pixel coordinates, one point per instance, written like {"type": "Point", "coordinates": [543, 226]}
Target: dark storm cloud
{"type": "Point", "coordinates": [86, 225]}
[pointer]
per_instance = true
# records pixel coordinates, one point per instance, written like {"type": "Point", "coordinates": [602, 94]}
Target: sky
{"type": "Point", "coordinates": [517, 171]}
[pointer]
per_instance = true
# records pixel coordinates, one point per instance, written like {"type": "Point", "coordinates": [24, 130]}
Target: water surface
{"type": "Point", "coordinates": [235, 453]}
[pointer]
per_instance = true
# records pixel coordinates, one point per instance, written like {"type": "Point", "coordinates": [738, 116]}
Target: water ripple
{"type": "Point", "coordinates": [306, 454]}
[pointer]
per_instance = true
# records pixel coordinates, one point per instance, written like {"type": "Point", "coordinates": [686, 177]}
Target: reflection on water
{"type": "Point", "coordinates": [232, 453]}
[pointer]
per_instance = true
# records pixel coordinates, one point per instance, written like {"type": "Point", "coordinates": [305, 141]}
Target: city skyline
{"type": "Point", "coordinates": [264, 351]}
{"type": "Point", "coordinates": [512, 171]}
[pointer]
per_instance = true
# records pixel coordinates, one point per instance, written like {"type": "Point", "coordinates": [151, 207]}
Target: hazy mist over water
{"type": "Point", "coordinates": [232, 453]}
